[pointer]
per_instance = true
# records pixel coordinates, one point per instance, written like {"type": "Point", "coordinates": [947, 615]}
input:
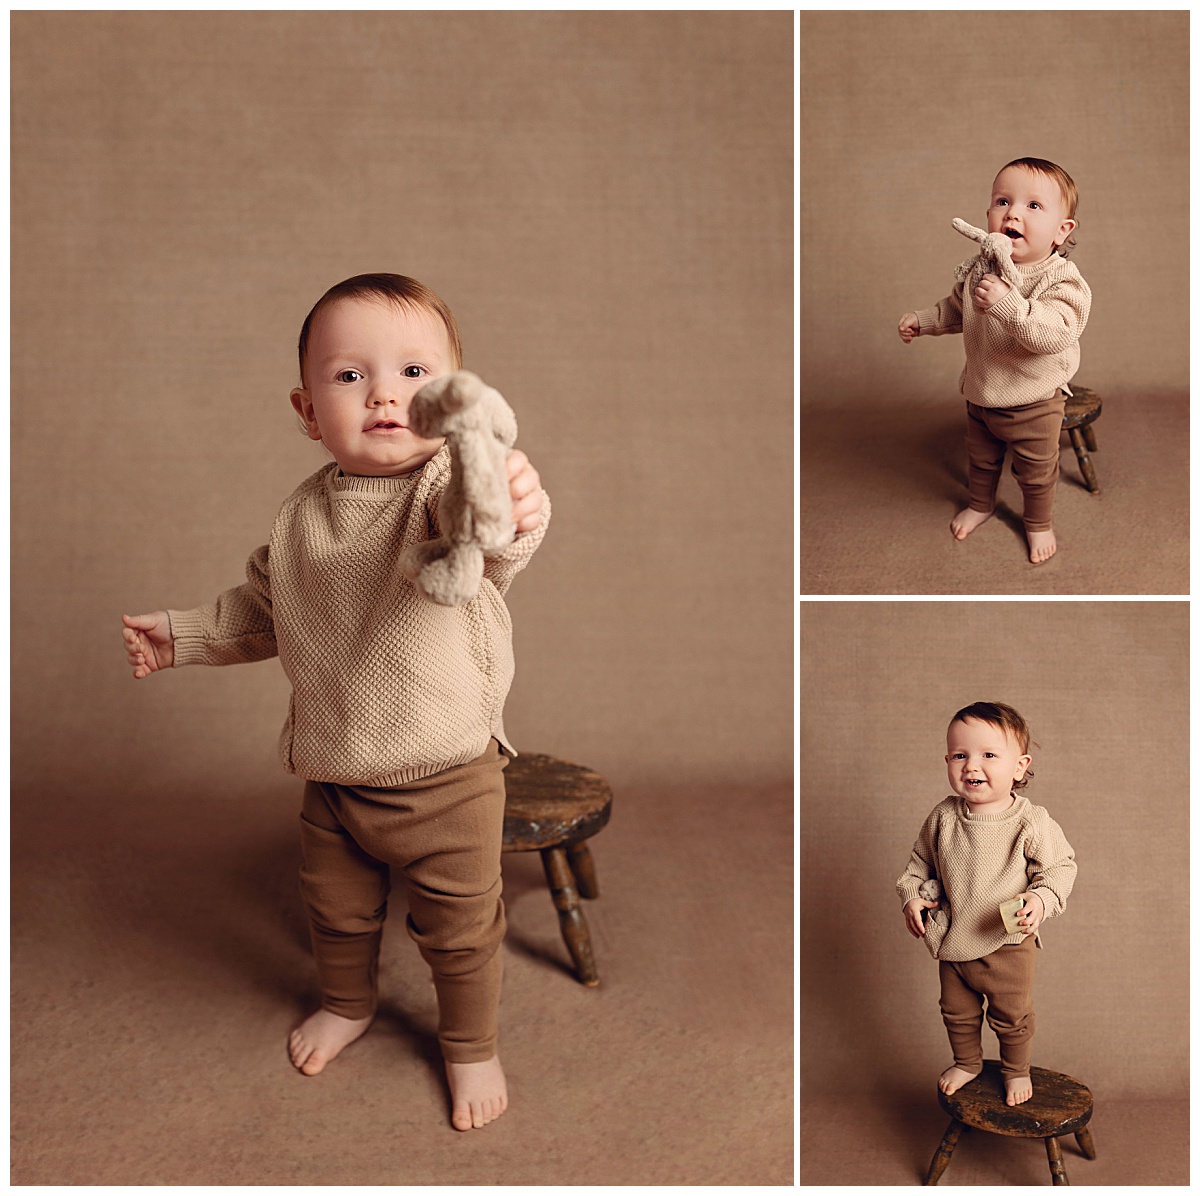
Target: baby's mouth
{"type": "Point", "coordinates": [975, 784]}
{"type": "Point", "coordinates": [1012, 233]}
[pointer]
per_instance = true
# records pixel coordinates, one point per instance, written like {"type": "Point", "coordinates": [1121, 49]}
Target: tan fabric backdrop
{"type": "Point", "coordinates": [1104, 687]}
{"type": "Point", "coordinates": [603, 198]}
{"type": "Point", "coordinates": [906, 117]}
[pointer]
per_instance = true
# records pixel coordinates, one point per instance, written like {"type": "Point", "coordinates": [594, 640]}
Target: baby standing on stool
{"type": "Point", "coordinates": [1021, 345]}
{"type": "Point", "coordinates": [987, 845]}
{"type": "Point", "coordinates": [396, 711]}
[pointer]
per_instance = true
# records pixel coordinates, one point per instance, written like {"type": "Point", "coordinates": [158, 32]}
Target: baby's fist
{"type": "Point", "coordinates": [149, 644]}
{"type": "Point", "coordinates": [525, 490]}
{"type": "Point", "coordinates": [910, 326]}
{"type": "Point", "coordinates": [990, 291]}
{"type": "Point", "coordinates": [912, 916]}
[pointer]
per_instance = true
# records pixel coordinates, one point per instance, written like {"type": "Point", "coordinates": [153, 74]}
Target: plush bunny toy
{"type": "Point", "coordinates": [937, 921]}
{"type": "Point", "coordinates": [475, 512]}
{"type": "Point", "coordinates": [994, 257]}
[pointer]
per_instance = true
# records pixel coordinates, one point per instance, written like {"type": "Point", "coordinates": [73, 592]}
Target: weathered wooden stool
{"type": "Point", "coordinates": [552, 807]}
{"type": "Point", "coordinates": [1082, 410]}
{"type": "Point", "coordinates": [1059, 1105]}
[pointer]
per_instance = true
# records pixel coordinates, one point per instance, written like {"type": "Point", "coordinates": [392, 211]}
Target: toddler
{"type": "Point", "coordinates": [1021, 347]}
{"type": "Point", "coordinates": [987, 845]}
{"type": "Point", "coordinates": [395, 720]}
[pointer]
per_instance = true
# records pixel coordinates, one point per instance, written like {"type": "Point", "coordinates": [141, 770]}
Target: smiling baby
{"type": "Point", "coordinates": [987, 845]}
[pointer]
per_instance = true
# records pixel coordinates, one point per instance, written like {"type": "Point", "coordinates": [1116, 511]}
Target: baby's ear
{"type": "Point", "coordinates": [302, 402]}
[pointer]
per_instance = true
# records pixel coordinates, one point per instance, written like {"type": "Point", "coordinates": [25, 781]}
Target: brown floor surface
{"type": "Point", "coordinates": [889, 1137]}
{"type": "Point", "coordinates": [879, 484]}
{"type": "Point", "coordinates": [160, 960]}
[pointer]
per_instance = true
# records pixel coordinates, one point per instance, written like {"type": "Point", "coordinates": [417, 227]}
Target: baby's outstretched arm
{"type": "Point", "coordinates": [148, 642]}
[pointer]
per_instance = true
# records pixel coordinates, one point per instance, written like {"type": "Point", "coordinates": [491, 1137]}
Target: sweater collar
{"type": "Point", "coordinates": [342, 483]}
{"type": "Point", "coordinates": [1053, 262]}
{"type": "Point", "coordinates": [1013, 811]}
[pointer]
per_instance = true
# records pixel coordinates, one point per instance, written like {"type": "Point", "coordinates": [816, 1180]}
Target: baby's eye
{"type": "Point", "coordinates": [990, 755]}
{"type": "Point", "coordinates": [349, 376]}
{"type": "Point", "coordinates": [1034, 204]}
{"type": "Point", "coordinates": [414, 371]}
{"type": "Point", "coordinates": [1001, 203]}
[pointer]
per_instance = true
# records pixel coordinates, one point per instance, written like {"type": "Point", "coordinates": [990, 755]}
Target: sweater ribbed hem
{"type": "Point", "coordinates": [415, 772]}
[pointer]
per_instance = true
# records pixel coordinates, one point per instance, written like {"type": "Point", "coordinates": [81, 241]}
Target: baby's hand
{"type": "Point", "coordinates": [912, 916]}
{"type": "Point", "coordinates": [990, 291]}
{"type": "Point", "coordinates": [525, 490]}
{"type": "Point", "coordinates": [1030, 915]}
{"type": "Point", "coordinates": [148, 642]}
{"type": "Point", "coordinates": [910, 326]}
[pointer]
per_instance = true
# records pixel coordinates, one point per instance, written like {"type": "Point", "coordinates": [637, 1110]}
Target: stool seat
{"type": "Point", "coordinates": [552, 806]}
{"type": "Point", "coordinates": [1082, 409]}
{"type": "Point", "coordinates": [1083, 406]}
{"type": "Point", "coordinates": [550, 802]}
{"type": "Point", "coordinates": [1059, 1105]}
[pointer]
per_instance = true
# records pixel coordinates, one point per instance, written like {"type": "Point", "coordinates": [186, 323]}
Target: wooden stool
{"type": "Point", "coordinates": [1059, 1105]}
{"type": "Point", "coordinates": [1083, 409]}
{"type": "Point", "coordinates": [552, 807]}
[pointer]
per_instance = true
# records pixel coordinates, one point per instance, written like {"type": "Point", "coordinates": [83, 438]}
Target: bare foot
{"type": "Point", "coordinates": [323, 1037]}
{"type": "Point", "coordinates": [953, 1078]}
{"type": "Point", "coordinates": [966, 521]}
{"type": "Point", "coordinates": [478, 1092]}
{"type": "Point", "coordinates": [1042, 546]}
{"type": "Point", "coordinates": [1019, 1090]}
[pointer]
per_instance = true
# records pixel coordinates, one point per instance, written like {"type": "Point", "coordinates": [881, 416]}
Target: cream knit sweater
{"type": "Point", "coordinates": [387, 686]}
{"type": "Point", "coordinates": [981, 860]}
{"type": "Point", "coordinates": [1025, 347]}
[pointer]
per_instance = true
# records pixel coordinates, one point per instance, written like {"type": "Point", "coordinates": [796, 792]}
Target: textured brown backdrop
{"type": "Point", "coordinates": [1104, 687]}
{"type": "Point", "coordinates": [603, 198]}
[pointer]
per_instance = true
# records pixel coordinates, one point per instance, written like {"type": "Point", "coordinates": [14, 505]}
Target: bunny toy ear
{"type": "Point", "coordinates": [968, 230]}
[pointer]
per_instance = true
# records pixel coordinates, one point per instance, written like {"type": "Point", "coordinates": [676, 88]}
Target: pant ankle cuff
{"type": "Point", "coordinates": [354, 1010]}
{"type": "Point", "coordinates": [468, 1052]}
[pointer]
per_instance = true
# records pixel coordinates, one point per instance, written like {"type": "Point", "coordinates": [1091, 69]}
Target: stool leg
{"type": "Point", "coordinates": [1058, 1173]}
{"type": "Point", "coordinates": [1084, 1138]}
{"type": "Point", "coordinates": [584, 868]}
{"type": "Point", "coordinates": [941, 1158]}
{"type": "Point", "coordinates": [570, 916]}
{"type": "Point", "coordinates": [1089, 437]}
{"type": "Point", "coordinates": [1085, 462]}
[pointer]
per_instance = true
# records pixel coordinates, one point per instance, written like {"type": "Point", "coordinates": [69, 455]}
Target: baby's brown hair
{"type": "Point", "coordinates": [396, 289]}
{"type": "Point", "coordinates": [998, 714]}
{"type": "Point", "coordinates": [1066, 185]}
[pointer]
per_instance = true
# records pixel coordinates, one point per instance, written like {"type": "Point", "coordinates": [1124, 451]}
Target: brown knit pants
{"type": "Point", "coordinates": [1005, 978]}
{"type": "Point", "coordinates": [444, 834]}
{"type": "Point", "coordinates": [1032, 430]}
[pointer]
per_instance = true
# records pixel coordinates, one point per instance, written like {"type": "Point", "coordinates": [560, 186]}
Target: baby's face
{"type": "Point", "coordinates": [1030, 208]}
{"type": "Point", "coordinates": [982, 762]}
{"type": "Point", "coordinates": [366, 359]}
